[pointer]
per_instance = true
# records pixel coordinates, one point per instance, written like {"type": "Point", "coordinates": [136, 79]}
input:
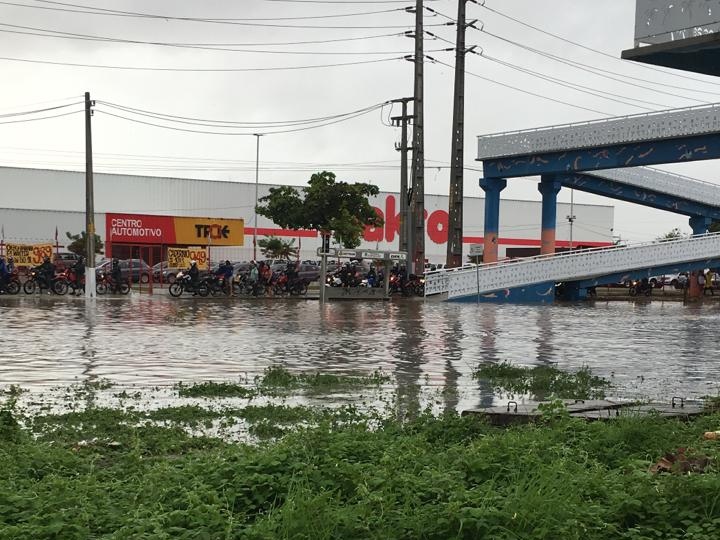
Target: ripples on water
{"type": "Point", "coordinates": [654, 350]}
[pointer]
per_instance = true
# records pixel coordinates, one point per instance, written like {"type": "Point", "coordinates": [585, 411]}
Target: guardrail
{"type": "Point", "coordinates": [571, 266]}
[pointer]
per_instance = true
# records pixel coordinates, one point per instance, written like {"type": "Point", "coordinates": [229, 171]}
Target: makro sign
{"type": "Point", "coordinates": [436, 223]}
{"type": "Point", "coordinates": [168, 230]}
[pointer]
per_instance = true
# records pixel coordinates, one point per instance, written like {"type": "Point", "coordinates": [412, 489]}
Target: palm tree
{"type": "Point", "coordinates": [273, 247]}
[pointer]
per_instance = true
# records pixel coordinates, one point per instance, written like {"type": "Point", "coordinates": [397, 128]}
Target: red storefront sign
{"type": "Point", "coordinates": [436, 224]}
{"type": "Point", "coordinates": [140, 229]}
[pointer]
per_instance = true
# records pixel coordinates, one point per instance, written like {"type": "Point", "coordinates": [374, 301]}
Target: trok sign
{"type": "Point", "coordinates": [144, 229]}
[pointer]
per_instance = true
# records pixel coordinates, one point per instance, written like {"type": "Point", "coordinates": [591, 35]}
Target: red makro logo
{"type": "Point", "coordinates": [436, 224]}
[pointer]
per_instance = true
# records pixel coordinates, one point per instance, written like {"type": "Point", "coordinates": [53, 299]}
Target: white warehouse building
{"type": "Point", "coordinates": [134, 216]}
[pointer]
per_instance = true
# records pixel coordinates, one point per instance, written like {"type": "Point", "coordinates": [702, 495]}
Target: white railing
{"type": "Point", "coordinates": [572, 266]}
{"type": "Point", "coordinates": [650, 126]}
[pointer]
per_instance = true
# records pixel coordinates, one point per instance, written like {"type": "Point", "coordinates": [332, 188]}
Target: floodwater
{"type": "Point", "coordinates": [650, 350]}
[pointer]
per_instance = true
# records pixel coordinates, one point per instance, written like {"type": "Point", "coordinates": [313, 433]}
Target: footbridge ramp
{"type": "Point", "coordinates": [592, 266]}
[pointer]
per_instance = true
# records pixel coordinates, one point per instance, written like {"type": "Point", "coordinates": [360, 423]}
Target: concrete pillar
{"type": "Point", "coordinates": [700, 224]}
{"type": "Point", "coordinates": [549, 186]}
{"type": "Point", "coordinates": [492, 188]}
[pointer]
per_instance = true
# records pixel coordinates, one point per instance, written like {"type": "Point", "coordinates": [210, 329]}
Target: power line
{"type": "Point", "coordinates": [575, 86]}
{"type": "Point", "coordinates": [590, 69]}
{"type": "Point", "coordinates": [266, 132]}
{"type": "Point", "coordinates": [566, 40]}
{"type": "Point", "coordinates": [548, 98]}
{"type": "Point", "coordinates": [39, 118]}
{"type": "Point", "coordinates": [235, 22]}
{"type": "Point", "coordinates": [208, 70]}
{"type": "Point", "coordinates": [235, 124]}
{"type": "Point", "coordinates": [36, 111]}
{"type": "Point", "coordinates": [202, 46]}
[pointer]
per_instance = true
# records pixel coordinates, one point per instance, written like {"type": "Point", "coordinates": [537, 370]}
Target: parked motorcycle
{"type": "Point", "coordinates": [105, 284]}
{"type": "Point", "coordinates": [183, 283]}
{"type": "Point", "coordinates": [642, 287]}
{"type": "Point", "coordinates": [36, 282]}
{"type": "Point", "coordinates": [12, 286]}
{"type": "Point", "coordinates": [69, 276]}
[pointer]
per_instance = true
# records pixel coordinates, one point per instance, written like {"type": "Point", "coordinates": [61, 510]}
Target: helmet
{"type": "Point", "coordinates": [46, 259]}
{"type": "Point", "coordinates": [227, 263]}
{"type": "Point", "coordinates": [193, 262]}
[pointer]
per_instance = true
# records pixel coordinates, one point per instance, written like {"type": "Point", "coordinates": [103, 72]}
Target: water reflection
{"type": "Point", "coordinates": [427, 347]}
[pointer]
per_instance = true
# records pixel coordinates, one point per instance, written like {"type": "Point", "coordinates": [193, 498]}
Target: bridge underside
{"type": "Point", "coordinates": [643, 196]}
{"type": "Point", "coordinates": [699, 54]}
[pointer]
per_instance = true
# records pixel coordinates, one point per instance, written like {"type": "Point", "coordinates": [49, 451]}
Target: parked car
{"type": "Point", "coordinates": [242, 268]}
{"type": "Point", "coordinates": [311, 272]}
{"type": "Point", "coordinates": [161, 272]}
{"type": "Point", "coordinates": [135, 270]}
{"type": "Point", "coordinates": [63, 261]}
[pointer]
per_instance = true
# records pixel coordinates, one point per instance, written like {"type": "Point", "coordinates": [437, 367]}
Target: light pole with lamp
{"type": "Point", "coordinates": [257, 174]}
{"type": "Point", "coordinates": [571, 218]}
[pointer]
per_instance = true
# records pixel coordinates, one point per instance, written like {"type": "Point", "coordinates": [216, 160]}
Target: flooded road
{"type": "Point", "coordinates": [655, 350]}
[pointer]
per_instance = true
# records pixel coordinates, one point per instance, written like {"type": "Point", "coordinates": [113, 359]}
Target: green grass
{"type": "Point", "coordinates": [542, 382]}
{"type": "Point", "coordinates": [278, 377]}
{"type": "Point", "coordinates": [432, 477]}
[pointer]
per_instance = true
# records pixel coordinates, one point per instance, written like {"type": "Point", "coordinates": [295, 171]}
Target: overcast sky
{"type": "Point", "coordinates": [360, 149]}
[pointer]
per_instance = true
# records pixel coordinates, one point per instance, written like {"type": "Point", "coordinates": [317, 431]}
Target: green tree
{"type": "Point", "coordinates": [78, 243]}
{"type": "Point", "coordinates": [276, 248]}
{"type": "Point", "coordinates": [674, 234]}
{"type": "Point", "coordinates": [324, 205]}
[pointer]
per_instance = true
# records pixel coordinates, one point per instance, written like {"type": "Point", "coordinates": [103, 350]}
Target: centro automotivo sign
{"type": "Point", "coordinates": [170, 230]}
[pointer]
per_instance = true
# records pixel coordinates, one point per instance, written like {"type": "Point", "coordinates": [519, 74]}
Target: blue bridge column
{"type": "Point", "coordinates": [492, 188]}
{"type": "Point", "coordinates": [549, 187]}
{"type": "Point", "coordinates": [700, 224]}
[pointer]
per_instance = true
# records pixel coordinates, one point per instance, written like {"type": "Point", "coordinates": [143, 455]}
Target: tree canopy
{"type": "Point", "coordinates": [78, 243]}
{"type": "Point", "coordinates": [674, 234]}
{"type": "Point", "coordinates": [325, 205]}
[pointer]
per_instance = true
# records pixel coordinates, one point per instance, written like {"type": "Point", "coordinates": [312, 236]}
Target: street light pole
{"type": "Point", "coordinates": [257, 175]}
{"type": "Point", "coordinates": [571, 217]}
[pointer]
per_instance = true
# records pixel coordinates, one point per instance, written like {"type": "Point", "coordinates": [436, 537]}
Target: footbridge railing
{"type": "Point", "coordinates": [572, 266]}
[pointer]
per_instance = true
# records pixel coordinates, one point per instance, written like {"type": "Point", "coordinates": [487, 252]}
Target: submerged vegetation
{"type": "Point", "coordinates": [346, 473]}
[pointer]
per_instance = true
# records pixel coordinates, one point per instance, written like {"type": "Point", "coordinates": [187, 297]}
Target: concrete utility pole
{"type": "Point", "coordinates": [257, 176]}
{"type": "Point", "coordinates": [416, 238]}
{"type": "Point", "coordinates": [89, 203]}
{"type": "Point", "coordinates": [455, 207]}
{"type": "Point", "coordinates": [403, 148]}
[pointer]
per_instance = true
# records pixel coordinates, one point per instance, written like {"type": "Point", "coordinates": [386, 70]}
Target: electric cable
{"type": "Point", "coordinates": [234, 22]}
{"type": "Point", "coordinates": [548, 98]}
{"type": "Point", "coordinates": [40, 118]}
{"type": "Point", "coordinates": [231, 123]}
{"type": "Point", "coordinates": [203, 70]}
{"type": "Point", "coordinates": [201, 46]}
{"type": "Point", "coordinates": [603, 53]}
{"type": "Point", "coordinates": [36, 111]}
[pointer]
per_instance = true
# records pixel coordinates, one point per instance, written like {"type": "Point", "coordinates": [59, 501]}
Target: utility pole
{"type": "Point", "coordinates": [416, 237]}
{"type": "Point", "coordinates": [403, 148]}
{"type": "Point", "coordinates": [89, 203]}
{"type": "Point", "coordinates": [455, 207]}
{"type": "Point", "coordinates": [257, 176]}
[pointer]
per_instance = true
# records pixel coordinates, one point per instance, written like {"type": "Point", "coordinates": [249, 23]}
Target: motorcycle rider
{"type": "Point", "coordinates": [46, 272]}
{"type": "Point", "coordinates": [3, 275]}
{"type": "Point", "coordinates": [10, 265]}
{"type": "Point", "coordinates": [79, 270]}
{"type": "Point", "coordinates": [372, 277]}
{"type": "Point", "coordinates": [253, 277]}
{"type": "Point", "coordinates": [115, 274]}
{"type": "Point", "coordinates": [194, 274]}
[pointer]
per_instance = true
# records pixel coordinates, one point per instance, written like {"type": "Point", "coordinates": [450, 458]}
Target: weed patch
{"type": "Point", "coordinates": [542, 382]}
{"type": "Point", "coordinates": [215, 389]}
{"type": "Point", "coordinates": [278, 377]}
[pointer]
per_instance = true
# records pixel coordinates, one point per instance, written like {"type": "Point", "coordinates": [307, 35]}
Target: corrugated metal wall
{"type": "Point", "coordinates": [62, 195]}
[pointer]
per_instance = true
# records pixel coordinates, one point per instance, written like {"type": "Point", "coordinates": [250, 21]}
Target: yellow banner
{"type": "Point", "coordinates": [209, 231]}
{"type": "Point", "coordinates": [28, 254]}
{"type": "Point", "coordinates": [181, 257]}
